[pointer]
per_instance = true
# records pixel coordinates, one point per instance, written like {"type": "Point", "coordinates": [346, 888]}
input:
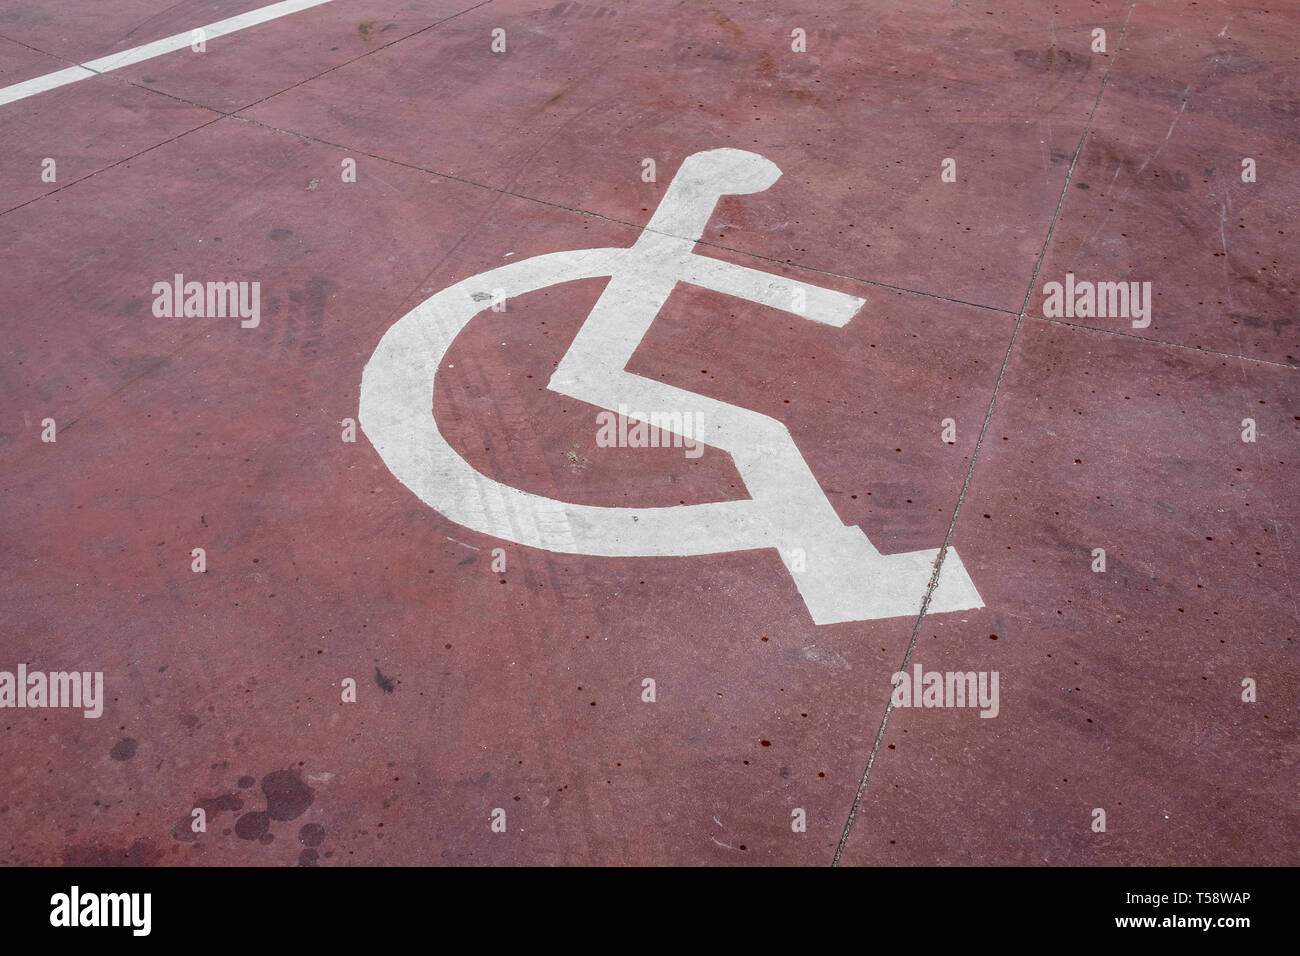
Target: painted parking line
{"type": "Point", "coordinates": [148, 51]}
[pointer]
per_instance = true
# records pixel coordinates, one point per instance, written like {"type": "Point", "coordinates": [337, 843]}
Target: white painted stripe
{"type": "Point", "coordinates": [148, 51]}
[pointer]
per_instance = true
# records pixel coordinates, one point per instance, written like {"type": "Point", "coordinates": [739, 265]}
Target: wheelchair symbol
{"type": "Point", "coordinates": [838, 572]}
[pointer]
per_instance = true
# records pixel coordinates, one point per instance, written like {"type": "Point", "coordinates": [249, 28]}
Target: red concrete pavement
{"type": "Point", "coordinates": [522, 690]}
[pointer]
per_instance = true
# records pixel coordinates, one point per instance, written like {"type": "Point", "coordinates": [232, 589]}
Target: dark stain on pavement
{"type": "Point", "coordinates": [124, 749]}
{"type": "Point", "coordinates": [727, 24]}
{"type": "Point", "coordinates": [252, 826]}
{"type": "Point", "coordinates": [212, 807]}
{"type": "Point", "coordinates": [287, 797]}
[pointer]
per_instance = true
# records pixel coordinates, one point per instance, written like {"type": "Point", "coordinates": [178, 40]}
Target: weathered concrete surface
{"type": "Point", "coordinates": [522, 689]}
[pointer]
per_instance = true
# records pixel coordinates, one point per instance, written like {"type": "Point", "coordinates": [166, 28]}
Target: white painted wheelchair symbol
{"type": "Point", "coordinates": [839, 574]}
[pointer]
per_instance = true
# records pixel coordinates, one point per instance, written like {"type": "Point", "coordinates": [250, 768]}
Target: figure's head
{"type": "Point", "coordinates": [730, 171]}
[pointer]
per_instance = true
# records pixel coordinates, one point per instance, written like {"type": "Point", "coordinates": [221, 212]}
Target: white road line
{"type": "Point", "coordinates": [148, 51]}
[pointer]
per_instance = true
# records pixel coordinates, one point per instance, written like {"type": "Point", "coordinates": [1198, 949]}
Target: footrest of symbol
{"type": "Point", "coordinates": [844, 578]}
